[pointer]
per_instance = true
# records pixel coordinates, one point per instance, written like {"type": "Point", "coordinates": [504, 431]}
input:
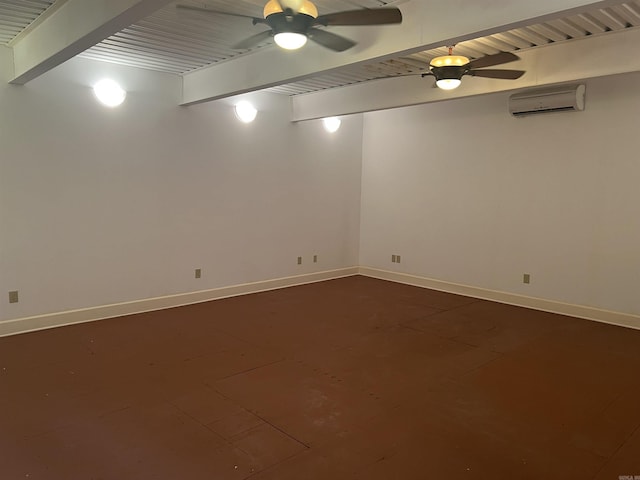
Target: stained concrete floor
{"type": "Point", "coordinates": [354, 378]}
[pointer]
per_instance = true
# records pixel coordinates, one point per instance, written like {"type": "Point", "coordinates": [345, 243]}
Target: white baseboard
{"type": "Point", "coordinates": [579, 311]}
{"type": "Point", "coordinates": [58, 319]}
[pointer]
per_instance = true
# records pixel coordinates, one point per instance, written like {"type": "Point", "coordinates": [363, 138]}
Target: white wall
{"type": "Point", "coordinates": [469, 195]}
{"type": "Point", "coordinates": [101, 206]}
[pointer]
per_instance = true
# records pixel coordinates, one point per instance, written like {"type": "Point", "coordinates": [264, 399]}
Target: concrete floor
{"type": "Point", "coordinates": [353, 378]}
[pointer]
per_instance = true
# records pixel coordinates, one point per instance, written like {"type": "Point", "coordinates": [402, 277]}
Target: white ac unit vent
{"type": "Point", "coordinates": [564, 98]}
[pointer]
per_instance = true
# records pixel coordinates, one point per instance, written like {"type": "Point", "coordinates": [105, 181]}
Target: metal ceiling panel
{"type": "Point", "coordinates": [16, 15]}
{"type": "Point", "coordinates": [180, 41]}
{"type": "Point", "coordinates": [592, 22]}
{"type": "Point", "coordinates": [176, 40]}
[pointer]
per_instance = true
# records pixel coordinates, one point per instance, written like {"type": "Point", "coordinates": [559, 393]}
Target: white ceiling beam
{"type": "Point", "coordinates": [6, 64]}
{"type": "Point", "coordinates": [72, 28]}
{"type": "Point", "coordinates": [590, 57]}
{"type": "Point", "coordinates": [426, 24]}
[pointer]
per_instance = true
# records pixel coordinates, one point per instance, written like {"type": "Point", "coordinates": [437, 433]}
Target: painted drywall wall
{"type": "Point", "coordinates": [469, 195]}
{"type": "Point", "coordinates": [100, 206]}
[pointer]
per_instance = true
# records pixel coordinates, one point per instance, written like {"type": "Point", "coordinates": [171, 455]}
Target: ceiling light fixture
{"type": "Point", "coordinates": [290, 20]}
{"type": "Point", "coordinates": [448, 83]}
{"type": "Point", "coordinates": [245, 111]}
{"type": "Point", "coordinates": [109, 93]}
{"type": "Point", "coordinates": [290, 40]}
{"type": "Point", "coordinates": [272, 6]}
{"type": "Point", "coordinates": [449, 60]}
{"type": "Point", "coordinates": [331, 124]}
{"type": "Point", "coordinates": [450, 69]}
{"type": "Point", "coordinates": [307, 8]}
{"type": "Point", "coordinates": [297, 6]}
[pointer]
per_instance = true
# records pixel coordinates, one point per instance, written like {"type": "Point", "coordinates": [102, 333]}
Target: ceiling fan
{"type": "Point", "coordinates": [449, 69]}
{"type": "Point", "coordinates": [292, 22]}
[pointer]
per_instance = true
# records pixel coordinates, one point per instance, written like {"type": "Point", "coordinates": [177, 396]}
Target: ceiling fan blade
{"type": "Point", "coordinates": [409, 74]}
{"type": "Point", "coordinates": [211, 11]}
{"type": "Point", "coordinates": [495, 73]}
{"type": "Point", "coordinates": [330, 40]}
{"type": "Point", "coordinates": [253, 40]}
{"type": "Point", "coordinates": [373, 16]}
{"type": "Point", "coordinates": [491, 60]}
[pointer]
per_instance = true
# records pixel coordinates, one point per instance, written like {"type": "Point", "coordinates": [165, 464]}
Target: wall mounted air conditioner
{"type": "Point", "coordinates": [563, 98]}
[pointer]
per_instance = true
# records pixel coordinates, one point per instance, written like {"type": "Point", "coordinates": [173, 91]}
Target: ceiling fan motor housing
{"type": "Point", "coordinates": [449, 72]}
{"type": "Point", "coordinates": [292, 22]}
{"type": "Point", "coordinates": [288, 22]}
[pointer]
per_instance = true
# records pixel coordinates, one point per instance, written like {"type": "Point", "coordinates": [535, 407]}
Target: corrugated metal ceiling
{"type": "Point", "coordinates": [592, 22]}
{"type": "Point", "coordinates": [179, 41]}
{"type": "Point", "coordinates": [16, 15]}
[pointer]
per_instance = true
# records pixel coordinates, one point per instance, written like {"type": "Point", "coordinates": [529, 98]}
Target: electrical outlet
{"type": "Point", "coordinates": [299, 260]}
{"type": "Point", "coordinates": [13, 296]}
{"type": "Point", "coordinates": [526, 278]}
{"type": "Point", "coordinates": [198, 273]}
{"type": "Point", "coordinates": [393, 259]}
{"type": "Point", "coordinates": [397, 258]}
{"type": "Point", "coordinates": [315, 259]}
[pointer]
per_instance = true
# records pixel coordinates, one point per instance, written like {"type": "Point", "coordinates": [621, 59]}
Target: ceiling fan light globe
{"type": "Point", "coordinates": [449, 61]}
{"type": "Point", "coordinates": [290, 40]}
{"type": "Point", "coordinates": [448, 83]}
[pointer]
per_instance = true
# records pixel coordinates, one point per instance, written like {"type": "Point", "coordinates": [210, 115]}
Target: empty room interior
{"type": "Point", "coordinates": [347, 239]}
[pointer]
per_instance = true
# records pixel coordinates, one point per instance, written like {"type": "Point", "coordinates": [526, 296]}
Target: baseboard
{"type": "Point", "coordinates": [579, 311]}
{"type": "Point", "coordinates": [58, 319]}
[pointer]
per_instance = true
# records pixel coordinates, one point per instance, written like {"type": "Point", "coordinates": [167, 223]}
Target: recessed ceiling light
{"type": "Point", "coordinates": [331, 124]}
{"type": "Point", "coordinates": [109, 93]}
{"type": "Point", "coordinates": [245, 111]}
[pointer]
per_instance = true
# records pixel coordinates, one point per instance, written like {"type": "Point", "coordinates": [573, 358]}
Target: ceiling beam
{"type": "Point", "coordinates": [426, 24]}
{"type": "Point", "coordinates": [6, 64]}
{"type": "Point", "coordinates": [597, 56]}
{"type": "Point", "coordinates": [72, 28]}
